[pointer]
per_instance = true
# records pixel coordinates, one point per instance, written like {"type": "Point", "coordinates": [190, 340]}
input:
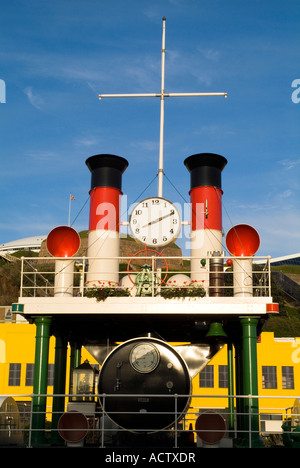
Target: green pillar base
{"type": "Point", "coordinates": [244, 443]}
{"type": "Point", "coordinates": [250, 382]}
{"type": "Point", "coordinates": [59, 388]}
{"type": "Point", "coordinates": [39, 401]}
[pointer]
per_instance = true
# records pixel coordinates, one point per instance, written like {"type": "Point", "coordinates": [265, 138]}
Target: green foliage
{"type": "Point", "coordinates": [287, 269]}
{"type": "Point", "coordinates": [286, 323]}
{"type": "Point", "coordinates": [10, 274]}
{"type": "Point", "coordinates": [83, 234]}
{"type": "Point", "coordinates": [25, 253]}
{"type": "Point", "coordinates": [182, 291]}
{"type": "Point", "coordinates": [103, 293]}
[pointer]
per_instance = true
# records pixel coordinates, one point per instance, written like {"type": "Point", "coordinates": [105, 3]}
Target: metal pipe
{"type": "Point", "coordinates": [40, 379]}
{"type": "Point", "coordinates": [161, 137]}
{"type": "Point", "coordinates": [250, 379]}
{"type": "Point", "coordinates": [138, 95]}
{"type": "Point", "coordinates": [59, 384]}
{"type": "Point", "coordinates": [206, 205]}
{"type": "Point", "coordinates": [216, 275]}
{"type": "Point", "coordinates": [103, 237]}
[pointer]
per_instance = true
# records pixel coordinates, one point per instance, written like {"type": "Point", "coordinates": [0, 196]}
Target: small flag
{"type": "Point", "coordinates": [72, 198]}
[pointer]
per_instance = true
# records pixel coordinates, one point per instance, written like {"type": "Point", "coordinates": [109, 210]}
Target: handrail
{"type": "Point", "coordinates": [38, 275]}
{"type": "Point", "coordinates": [15, 423]}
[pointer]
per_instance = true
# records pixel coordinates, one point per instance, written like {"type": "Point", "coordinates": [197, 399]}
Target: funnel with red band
{"type": "Point", "coordinates": [242, 241]}
{"type": "Point", "coordinates": [63, 241]}
{"type": "Point", "coordinates": [206, 204]}
{"type": "Point", "coordinates": [105, 197]}
{"type": "Point", "coordinates": [73, 426]}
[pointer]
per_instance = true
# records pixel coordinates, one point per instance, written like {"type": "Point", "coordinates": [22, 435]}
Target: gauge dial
{"type": "Point", "coordinates": [155, 222]}
{"type": "Point", "coordinates": [144, 357]}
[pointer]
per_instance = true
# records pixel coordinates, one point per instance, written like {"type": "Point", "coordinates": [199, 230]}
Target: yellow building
{"type": "Point", "coordinates": [278, 374]}
{"type": "Point", "coordinates": [278, 368]}
{"type": "Point", "coordinates": [17, 356]}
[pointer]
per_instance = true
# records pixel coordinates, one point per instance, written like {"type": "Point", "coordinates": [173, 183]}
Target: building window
{"type": "Point", "coordinates": [14, 378]}
{"type": "Point", "coordinates": [223, 377]}
{"type": "Point", "coordinates": [29, 375]}
{"type": "Point", "coordinates": [29, 381]}
{"type": "Point", "coordinates": [269, 377]}
{"type": "Point", "coordinates": [206, 377]}
{"type": "Point", "coordinates": [50, 380]}
{"type": "Point", "coordinates": [287, 377]}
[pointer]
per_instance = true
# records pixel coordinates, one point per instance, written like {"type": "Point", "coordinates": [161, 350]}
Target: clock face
{"type": "Point", "coordinates": [155, 222]}
{"type": "Point", "coordinates": [144, 357]}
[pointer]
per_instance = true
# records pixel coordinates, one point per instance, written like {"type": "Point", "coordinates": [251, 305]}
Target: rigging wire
{"type": "Point", "coordinates": [80, 211]}
{"type": "Point", "coordinates": [193, 212]}
{"type": "Point", "coordinates": [141, 194]}
{"type": "Point", "coordinates": [104, 234]}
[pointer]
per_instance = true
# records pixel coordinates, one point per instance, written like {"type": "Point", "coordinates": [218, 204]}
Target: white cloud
{"type": "Point", "coordinates": [86, 141]}
{"type": "Point", "coordinates": [286, 194]}
{"type": "Point", "coordinates": [42, 156]}
{"type": "Point", "coordinates": [34, 99]}
{"type": "Point", "coordinates": [289, 164]}
{"type": "Point", "coordinates": [146, 145]}
{"type": "Point", "coordinates": [210, 54]}
{"type": "Point", "coordinates": [277, 224]}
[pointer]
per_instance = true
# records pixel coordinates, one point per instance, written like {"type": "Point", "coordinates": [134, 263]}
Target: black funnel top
{"type": "Point", "coordinates": [205, 169]}
{"type": "Point", "coordinates": [107, 170]}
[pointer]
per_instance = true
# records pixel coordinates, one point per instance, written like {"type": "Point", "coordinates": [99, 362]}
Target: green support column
{"type": "Point", "coordinates": [75, 360]}
{"type": "Point", "coordinates": [239, 389]}
{"type": "Point", "coordinates": [40, 380]}
{"type": "Point", "coordinates": [59, 387]}
{"type": "Point", "coordinates": [250, 382]}
{"type": "Point", "coordinates": [75, 355]}
{"type": "Point", "coordinates": [230, 388]}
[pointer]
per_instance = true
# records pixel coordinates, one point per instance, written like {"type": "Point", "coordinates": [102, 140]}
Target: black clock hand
{"type": "Point", "coordinates": [158, 219]}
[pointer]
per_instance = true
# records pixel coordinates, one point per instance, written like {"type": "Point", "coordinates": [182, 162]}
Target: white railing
{"type": "Point", "coordinates": [17, 428]}
{"type": "Point", "coordinates": [38, 276]}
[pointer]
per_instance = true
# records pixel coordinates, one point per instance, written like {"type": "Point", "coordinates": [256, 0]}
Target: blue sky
{"type": "Point", "coordinates": [56, 57]}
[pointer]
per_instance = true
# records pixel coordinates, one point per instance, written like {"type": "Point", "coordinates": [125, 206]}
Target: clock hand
{"type": "Point", "coordinates": [157, 220]}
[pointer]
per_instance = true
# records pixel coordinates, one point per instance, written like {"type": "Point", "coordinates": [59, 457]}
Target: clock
{"type": "Point", "coordinates": [155, 222]}
{"type": "Point", "coordinates": [144, 357]}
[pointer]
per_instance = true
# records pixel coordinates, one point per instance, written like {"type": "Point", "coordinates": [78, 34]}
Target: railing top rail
{"type": "Point", "coordinates": [129, 257]}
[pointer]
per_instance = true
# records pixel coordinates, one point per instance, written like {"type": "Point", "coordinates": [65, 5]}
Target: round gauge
{"type": "Point", "coordinates": [155, 222]}
{"type": "Point", "coordinates": [144, 357]}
